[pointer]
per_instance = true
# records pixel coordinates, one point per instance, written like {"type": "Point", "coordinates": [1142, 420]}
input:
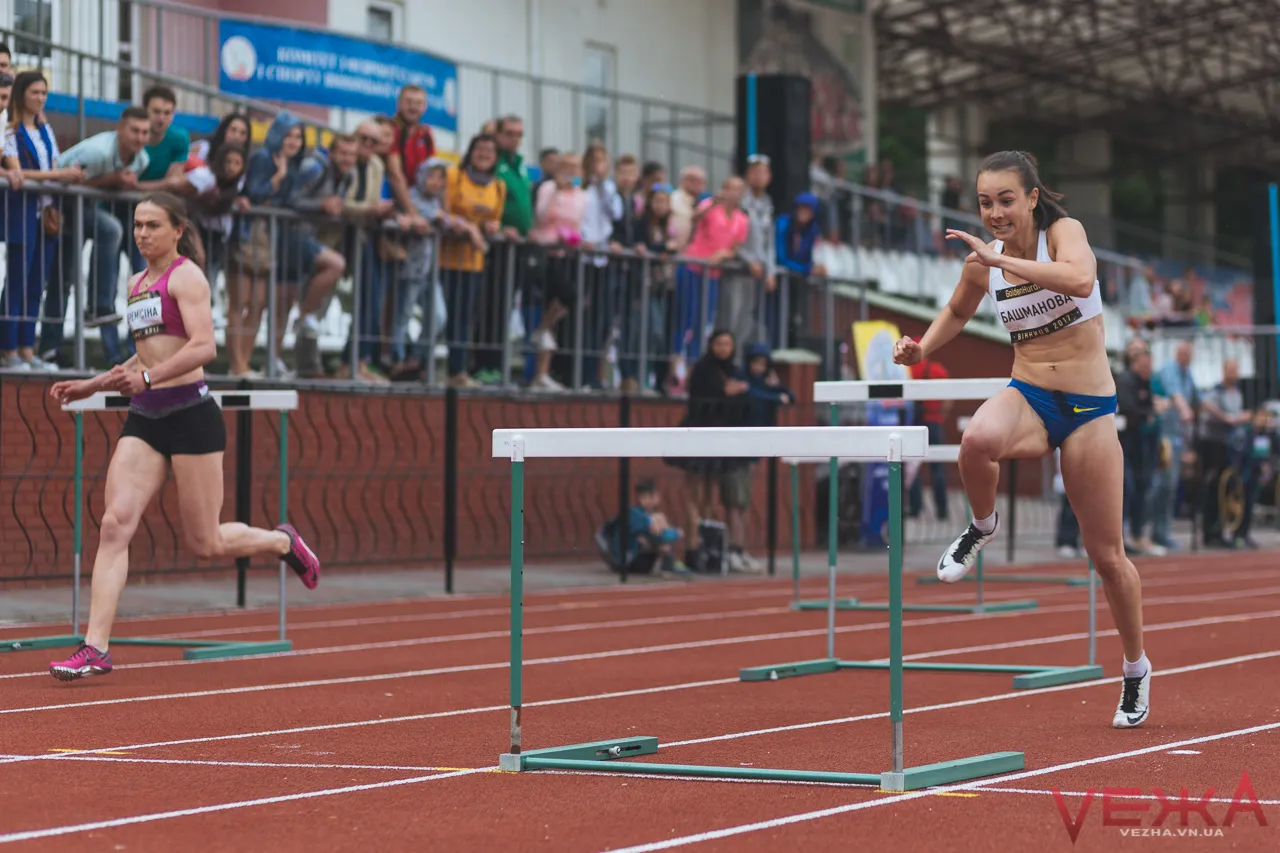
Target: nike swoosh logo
{"type": "Point", "coordinates": [1080, 411]}
{"type": "Point", "coordinates": [1133, 721]}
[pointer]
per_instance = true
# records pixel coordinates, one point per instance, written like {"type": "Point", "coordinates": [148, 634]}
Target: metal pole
{"type": "Point", "coordinates": [1274, 205]}
{"type": "Point", "coordinates": [79, 525]}
{"type": "Point", "coordinates": [642, 367]}
{"type": "Point", "coordinates": [517, 591]}
{"type": "Point", "coordinates": [450, 484]}
{"type": "Point", "coordinates": [272, 306]}
{"type": "Point", "coordinates": [76, 284]}
{"type": "Point", "coordinates": [513, 254]}
{"type": "Point", "coordinates": [578, 315]}
{"type": "Point", "coordinates": [284, 509]}
{"type": "Point", "coordinates": [833, 491]}
{"type": "Point", "coordinates": [357, 310]}
{"type": "Point", "coordinates": [895, 599]}
{"type": "Point", "coordinates": [795, 533]}
{"type": "Point", "coordinates": [624, 486]}
{"type": "Point", "coordinates": [829, 331]}
{"type": "Point", "coordinates": [244, 493]}
{"type": "Point", "coordinates": [771, 514]}
{"type": "Point", "coordinates": [80, 118]}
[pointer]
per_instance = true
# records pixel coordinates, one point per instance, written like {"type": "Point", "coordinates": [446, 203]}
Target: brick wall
{"type": "Point", "coordinates": [366, 480]}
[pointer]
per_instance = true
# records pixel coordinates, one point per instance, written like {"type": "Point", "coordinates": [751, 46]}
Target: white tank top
{"type": "Point", "coordinates": [1028, 311]}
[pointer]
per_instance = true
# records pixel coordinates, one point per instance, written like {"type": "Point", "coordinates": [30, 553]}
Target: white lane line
{"type": "Point", "coordinates": [712, 616]}
{"type": "Point", "coordinates": [849, 585]}
{"type": "Point", "coordinates": [436, 715]}
{"type": "Point", "coordinates": [452, 670]}
{"type": "Point", "coordinates": [1170, 795]}
{"type": "Point", "coordinates": [645, 848]}
{"type": "Point", "coordinates": [111, 759]}
{"type": "Point", "coordinates": [981, 700]}
{"type": "Point", "coordinates": [1064, 638]}
{"type": "Point", "coordinates": [571, 700]}
{"type": "Point", "coordinates": [72, 829]}
{"type": "Point", "coordinates": [805, 817]}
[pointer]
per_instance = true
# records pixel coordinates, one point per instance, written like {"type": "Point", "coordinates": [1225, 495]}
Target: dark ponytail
{"type": "Point", "coordinates": [189, 242]}
{"type": "Point", "coordinates": [1049, 208]}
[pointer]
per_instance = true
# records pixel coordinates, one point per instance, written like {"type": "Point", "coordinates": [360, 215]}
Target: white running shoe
{"type": "Point", "coordinates": [1134, 702]}
{"type": "Point", "coordinates": [963, 553]}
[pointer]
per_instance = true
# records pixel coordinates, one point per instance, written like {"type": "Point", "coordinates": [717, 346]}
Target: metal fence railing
{"type": "Point", "coordinates": [344, 297]}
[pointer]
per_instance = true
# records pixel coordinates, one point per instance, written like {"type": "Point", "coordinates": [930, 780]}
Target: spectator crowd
{"type": "Point", "coordinates": [472, 256]}
{"type": "Point", "coordinates": [1188, 453]}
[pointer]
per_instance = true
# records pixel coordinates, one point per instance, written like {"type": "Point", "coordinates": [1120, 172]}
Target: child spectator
{"type": "Point", "coordinates": [214, 193]}
{"type": "Point", "coordinates": [797, 234]}
{"type": "Point", "coordinates": [422, 280]}
{"type": "Point", "coordinates": [652, 539]}
{"type": "Point", "coordinates": [232, 130]}
{"type": "Point", "coordinates": [765, 394]}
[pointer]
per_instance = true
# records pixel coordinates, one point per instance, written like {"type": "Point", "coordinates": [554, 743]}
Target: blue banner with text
{"type": "Point", "coordinates": [272, 63]}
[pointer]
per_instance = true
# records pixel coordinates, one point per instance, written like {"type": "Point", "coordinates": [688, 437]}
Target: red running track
{"type": "Point", "coordinates": [384, 725]}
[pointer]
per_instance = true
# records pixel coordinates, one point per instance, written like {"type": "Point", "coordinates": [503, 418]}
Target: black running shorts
{"type": "Point", "coordinates": [191, 431]}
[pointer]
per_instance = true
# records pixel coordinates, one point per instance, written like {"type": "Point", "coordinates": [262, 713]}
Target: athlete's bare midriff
{"type": "Point", "coordinates": [158, 348]}
{"type": "Point", "coordinates": [1073, 360]}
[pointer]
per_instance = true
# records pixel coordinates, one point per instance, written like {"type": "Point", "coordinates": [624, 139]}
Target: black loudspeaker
{"type": "Point", "coordinates": [781, 114]}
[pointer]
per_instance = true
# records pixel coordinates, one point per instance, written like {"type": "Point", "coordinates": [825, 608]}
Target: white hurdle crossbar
{"type": "Point", "coordinates": [258, 401]}
{"type": "Point", "coordinates": [886, 444]}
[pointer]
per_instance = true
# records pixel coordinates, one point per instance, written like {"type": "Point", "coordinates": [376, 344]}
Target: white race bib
{"type": "Point", "coordinates": [144, 315]}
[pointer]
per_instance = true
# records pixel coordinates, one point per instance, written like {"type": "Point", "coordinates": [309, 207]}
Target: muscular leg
{"type": "Point", "coordinates": [1093, 475]}
{"type": "Point", "coordinates": [1004, 427]}
{"type": "Point", "coordinates": [199, 480]}
{"type": "Point", "coordinates": [134, 476]}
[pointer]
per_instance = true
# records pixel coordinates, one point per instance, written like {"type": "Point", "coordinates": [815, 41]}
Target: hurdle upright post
{"type": "Point", "coordinates": [895, 599]}
{"type": "Point", "coordinates": [78, 538]}
{"type": "Point", "coordinates": [517, 589]}
{"type": "Point", "coordinates": [795, 533]}
{"type": "Point", "coordinates": [833, 499]}
{"type": "Point", "coordinates": [284, 510]}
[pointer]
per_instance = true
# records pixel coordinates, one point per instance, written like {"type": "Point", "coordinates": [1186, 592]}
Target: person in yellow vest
{"type": "Point", "coordinates": [473, 194]}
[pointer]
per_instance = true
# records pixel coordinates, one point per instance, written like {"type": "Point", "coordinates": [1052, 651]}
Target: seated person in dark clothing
{"type": "Point", "coordinates": [651, 541]}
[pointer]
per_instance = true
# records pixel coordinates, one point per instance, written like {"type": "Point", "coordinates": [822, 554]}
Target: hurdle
{"type": "Point", "coordinates": [1025, 677]}
{"type": "Point", "coordinates": [282, 402]}
{"type": "Point", "coordinates": [936, 453]}
{"type": "Point", "coordinates": [889, 444]}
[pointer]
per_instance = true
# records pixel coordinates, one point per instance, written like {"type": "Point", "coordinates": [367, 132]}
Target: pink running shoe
{"type": "Point", "coordinates": [301, 558]}
{"type": "Point", "coordinates": [85, 662]}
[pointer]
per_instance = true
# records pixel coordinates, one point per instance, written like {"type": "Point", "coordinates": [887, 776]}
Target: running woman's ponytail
{"type": "Point", "coordinates": [189, 241]}
{"type": "Point", "coordinates": [1049, 208]}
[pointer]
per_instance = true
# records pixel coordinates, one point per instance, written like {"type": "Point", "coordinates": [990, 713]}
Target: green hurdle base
{"type": "Point", "coordinates": [600, 757]}
{"type": "Point", "coordinates": [192, 649]}
{"type": "Point", "coordinates": [1025, 676]}
{"type": "Point", "coordinates": [996, 577]}
{"type": "Point", "coordinates": [854, 604]}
